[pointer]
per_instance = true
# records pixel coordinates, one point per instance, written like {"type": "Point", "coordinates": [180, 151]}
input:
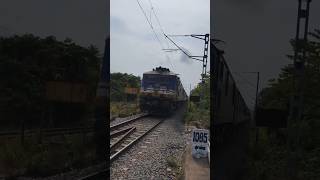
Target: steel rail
{"type": "Point", "coordinates": [47, 132]}
{"type": "Point", "coordinates": [96, 175]}
{"type": "Point", "coordinates": [119, 132]}
{"type": "Point", "coordinates": [122, 138]}
{"type": "Point", "coordinates": [29, 132]}
{"type": "Point", "coordinates": [32, 131]}
{"type": "Point", "coordinates": [114, 156]}
{"type": "Point", "coordinates": [127, 122]}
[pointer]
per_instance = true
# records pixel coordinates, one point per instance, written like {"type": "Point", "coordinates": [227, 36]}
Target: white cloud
{"type": "Point", "coordinates": [135, 49]}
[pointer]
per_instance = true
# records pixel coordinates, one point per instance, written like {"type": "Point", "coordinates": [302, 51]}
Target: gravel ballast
{"type": "Point", "coordinates": [148, 158]}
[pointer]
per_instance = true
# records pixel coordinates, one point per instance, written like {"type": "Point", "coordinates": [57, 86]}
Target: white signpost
{"type": "Point", "coordinates": [200, 139]}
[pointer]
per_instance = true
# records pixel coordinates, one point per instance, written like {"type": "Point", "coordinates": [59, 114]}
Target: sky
{"type": "Point", "coordinates": [257, 34]}
{"type": "Point", "coordinates": [81, 20]}
{"type": "Point", "coordinates": [135, 48]}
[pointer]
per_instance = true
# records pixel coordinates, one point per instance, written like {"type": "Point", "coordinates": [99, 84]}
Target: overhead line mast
{"type": "Point", "coordinates": [296, 107]}
{"type": "Point", "coordinates": [204, 37]}
{"type": "Point", "coordinates": [204, 59]}
{"type": "Point", "coordinates": [299, 59]}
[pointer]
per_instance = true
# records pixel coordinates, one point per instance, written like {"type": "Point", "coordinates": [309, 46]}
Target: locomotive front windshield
{"type": "Point", "coordinates": [158, 82]}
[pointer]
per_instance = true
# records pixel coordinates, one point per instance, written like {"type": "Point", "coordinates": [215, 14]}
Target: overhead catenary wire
{"type": "Point", "coordinates": [173, 35]}
{"type": "Point", "coordinates": [152, 9]}
{"type": "Point", "coordinates": [183, 50]}
{"type": "Point", "coordinates": [149, 22]}
{"type": "Point", "coordinates": [158, 21]}
{"type": "Point", "coordinates": [179, 48]}
{"type": "Point", "coordinates": [161, 28]}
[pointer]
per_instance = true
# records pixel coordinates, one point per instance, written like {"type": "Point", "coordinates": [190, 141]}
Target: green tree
{"type": "Point", "coordinates": [199, 113]}
{"type": "Point", "coordinates": [118, 82]}
{"type": "Point", "coordinates": [27, 62]}
{"type": "Point", "coordinates": [280, 90]}
{"type": "Point", "coordinates": [278, 95]}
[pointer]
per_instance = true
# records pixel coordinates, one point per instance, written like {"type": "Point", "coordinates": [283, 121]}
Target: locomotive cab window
{"type": "Point", "coordinates": [163, 87]}
{"type": "Point", "coordinates": [159, 81]}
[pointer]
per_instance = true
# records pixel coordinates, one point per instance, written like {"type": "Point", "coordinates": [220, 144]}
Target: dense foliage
{"type": "Point", "coordinates": [118, 83]}
{"type": "Point", "coordinates": [199, 113]}
{"type": "Point", "coordinates": [281, 89]}
{"type": "Point", "coordinates": [27, 62]}
{"type": "Point", "coordinates": [272, 143]}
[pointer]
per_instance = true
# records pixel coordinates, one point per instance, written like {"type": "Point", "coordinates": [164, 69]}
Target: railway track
{"type": "Point", "coordinates": [97, 175]}
{"type": "Point", "coordinates": [124, 135]}
{"type": "Point", "coordinates": [47, 132]}
{"type": "Point", "coordinates": [58, 131]}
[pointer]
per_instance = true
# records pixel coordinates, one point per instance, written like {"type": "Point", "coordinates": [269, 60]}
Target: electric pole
{"type": "Point", "coordinates": [299, 61]}
{"type": "Point", "coordinates": [296, 108]}
{"type": "Point", "coordinates": [204, 59]}
{"type": "Point", "coordinates": [204, 62]}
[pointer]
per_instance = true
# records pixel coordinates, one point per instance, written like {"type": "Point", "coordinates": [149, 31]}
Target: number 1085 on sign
{"type": "Point", "coordinates": [201, 137]}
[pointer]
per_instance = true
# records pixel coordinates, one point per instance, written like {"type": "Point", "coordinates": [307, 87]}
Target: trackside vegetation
{"type": "Point", "coordinates": [27, 63]}
{"type": "Point", "coordinates": [268, 158]}
{"type": "Point", "coordinates": [121, 104]}
{"type": "Point", "coordinates": [198, 113]}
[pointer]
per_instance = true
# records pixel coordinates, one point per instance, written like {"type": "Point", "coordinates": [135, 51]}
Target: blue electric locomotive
{"type": "Point", "coordinates": [161, 91]}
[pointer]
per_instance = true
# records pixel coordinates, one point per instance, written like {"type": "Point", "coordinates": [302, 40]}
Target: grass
{"type": "Point", "coordinates": [40, 160]}
{"type": "Point", "coordinates": [197, 115]}
{"type": "Point", "coordinates": [123, 109]}
{"type": "Point", "coordinates": [172, 162]}
{"type": "Point", "coordinates": [268, 158]}
{"type": "Point", "coordinates": [176, 166]}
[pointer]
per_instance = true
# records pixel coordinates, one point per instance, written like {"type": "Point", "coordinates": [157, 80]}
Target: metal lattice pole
{"type": "Point", "coordinates": [204, 62]}
{"type": "Point", "coordinates": [296, 108]}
